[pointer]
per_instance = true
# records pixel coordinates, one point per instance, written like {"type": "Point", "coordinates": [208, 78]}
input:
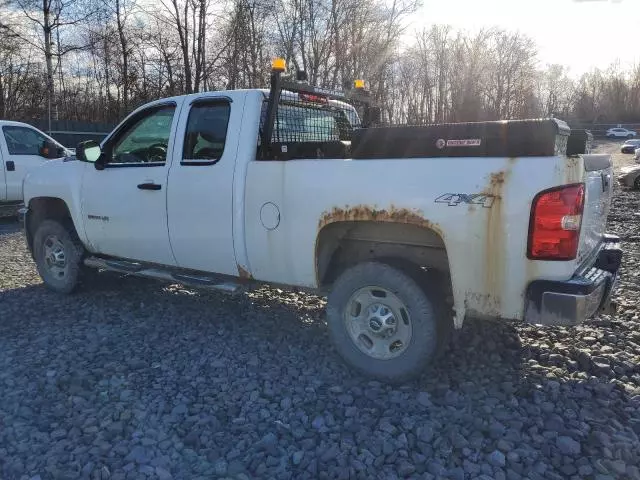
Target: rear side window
{"type": "Point", "coordinates": [297, 123]}
{"type": "Point", "coordinates": [304, 129]}
{"type": "Point", "coordinates": [23, 140]}
{"type": "Point", "coordinates": [302, 124]}
{"type": "Point", "coordinates": [206, 132]}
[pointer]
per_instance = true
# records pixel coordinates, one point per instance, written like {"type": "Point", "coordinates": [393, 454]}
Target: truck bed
{"type": "Point", "coordinates": [480, 210]}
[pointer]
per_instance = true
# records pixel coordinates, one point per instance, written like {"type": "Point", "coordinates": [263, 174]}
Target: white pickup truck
{"type": "Point", "coordinates": [410, 230]}
{"type": "Point", "coordinates": [22, 148]}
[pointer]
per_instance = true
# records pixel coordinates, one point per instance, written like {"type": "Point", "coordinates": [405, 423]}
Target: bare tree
{"type": "Point", "coordinates": [133, 55]}
{"type": "Point", "coordinates": [50, 16]}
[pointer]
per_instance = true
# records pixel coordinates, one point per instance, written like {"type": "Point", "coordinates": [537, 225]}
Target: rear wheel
{"type": "Point", "coordinates": [58, 255]}
{"type": "Point", "coordinates": [382, 322]}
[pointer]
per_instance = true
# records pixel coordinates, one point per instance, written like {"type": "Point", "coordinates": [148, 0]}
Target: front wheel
{"type": "Point", "coordinates": [58, 255]}
{"type": "Point", "coordinates": [382, 322]}
{"type": "Point", "coordinates": [630, 136]}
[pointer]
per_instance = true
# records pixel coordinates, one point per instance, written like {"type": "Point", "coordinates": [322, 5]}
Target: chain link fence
{"type": "Point", "coordinates": [69, 133]}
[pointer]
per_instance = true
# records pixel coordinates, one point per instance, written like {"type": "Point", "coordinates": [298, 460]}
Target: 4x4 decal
{"type": "Point", "coordinates": [454, 199]}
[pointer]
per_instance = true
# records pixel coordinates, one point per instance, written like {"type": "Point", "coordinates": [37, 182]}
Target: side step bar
{"type": "Point", "coordinates": [141, 270]}
{"type": "Point", "coordinates": [10, 209]}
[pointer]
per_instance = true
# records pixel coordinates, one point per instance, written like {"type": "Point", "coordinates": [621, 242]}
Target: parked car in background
{"type": "Point", "coordinates": [22, 148]}
{"type": "Point", "coordinates": [630, 146]}
{"type": "Point", "coordinates": [630, 177]}
{"type": "Point", "coordinates": [620, 133]}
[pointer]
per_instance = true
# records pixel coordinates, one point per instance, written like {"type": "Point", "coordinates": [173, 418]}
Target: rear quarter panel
{"type": "Point", "coordinates": [598, 192]}
{"type": "Point", "coordinates": [486, 245]}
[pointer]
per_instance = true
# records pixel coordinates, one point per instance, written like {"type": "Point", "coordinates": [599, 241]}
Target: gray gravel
{"type": "Point", "coordinates": [132, 379]}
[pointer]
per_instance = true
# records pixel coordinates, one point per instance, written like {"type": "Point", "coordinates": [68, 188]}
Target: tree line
{"type": "Point", "coordinates": [96, 60]}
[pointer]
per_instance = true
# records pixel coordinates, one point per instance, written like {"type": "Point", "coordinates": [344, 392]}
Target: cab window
{"type": "Point", "coordinates": [23, 140]}
{"type": "Point", "coordinates": [146, 140]}
{"type": "Point", "coordinates": [300, 123]}
{"type": "Point", "coordinates": [206, 132]}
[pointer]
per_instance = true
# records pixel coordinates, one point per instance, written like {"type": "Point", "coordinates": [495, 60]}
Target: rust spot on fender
{"type": "Point", "coordinates": [572, 171]}
{"type": "Point", "coordinates": [482, 304]}
{"type": "Point", "coordinates": [573, 162]}
{"type": "Point", "coordinates": [368, 213]}
{"type": "Point", "coordinates": [497, 179]}
{"type": "Point", "coordinates": [494, 249]}
{"type": "Point", "coordinates": [243, 274]}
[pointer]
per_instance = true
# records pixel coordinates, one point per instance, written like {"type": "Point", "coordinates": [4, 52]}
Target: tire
{"type": "Point", "coordinates": [636, 184]}
{"type": "Point", "coordinates": [629, 136]}
{"type": "Point", "coordinates": [403, 303]}
{"type": "Point", "coordinates": [58, 254]}
{"type": "Point", "coordinates": [611, 137]}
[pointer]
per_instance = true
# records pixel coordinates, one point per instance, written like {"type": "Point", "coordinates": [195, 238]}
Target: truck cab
{"type": "Point", "coordinates": [22, 149]}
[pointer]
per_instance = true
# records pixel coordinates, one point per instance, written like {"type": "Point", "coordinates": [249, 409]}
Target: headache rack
{"type": "Point", "coordinates": [302, 121]}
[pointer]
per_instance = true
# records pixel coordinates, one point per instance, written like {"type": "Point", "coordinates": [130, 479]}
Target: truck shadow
{"type": "Point", "coordinates": [490, 351]}
{"type": "Point", "coordinates": [9, 225]}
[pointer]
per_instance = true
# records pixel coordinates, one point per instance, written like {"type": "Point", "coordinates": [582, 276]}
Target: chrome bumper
{"type": "Point", "coordinates": [583, 296]}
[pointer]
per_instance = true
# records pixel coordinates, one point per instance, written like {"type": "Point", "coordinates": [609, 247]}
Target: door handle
{"type": "Point", "coordinates": [11, 166]}
{"type": "Point", "coordinates": [149, 186]}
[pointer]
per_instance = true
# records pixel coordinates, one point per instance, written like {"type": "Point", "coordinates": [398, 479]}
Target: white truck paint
{"type": "Point", "coordinates": [20, 146]}
{"type": "Point", "coordinates": [274, 221]}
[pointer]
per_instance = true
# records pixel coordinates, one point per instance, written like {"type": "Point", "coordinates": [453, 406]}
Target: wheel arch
{"type": "Point", "coordinates": [342, 244]}
{"type": "Point", "coordinates": [45, 208]}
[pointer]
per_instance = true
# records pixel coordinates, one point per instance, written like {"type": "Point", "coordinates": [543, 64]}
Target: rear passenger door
{"type": "Point", "coordinates": [200, 194]}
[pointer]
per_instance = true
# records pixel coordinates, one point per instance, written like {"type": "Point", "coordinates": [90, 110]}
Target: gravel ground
{"type": "Point", "coordinates": [135, 379]}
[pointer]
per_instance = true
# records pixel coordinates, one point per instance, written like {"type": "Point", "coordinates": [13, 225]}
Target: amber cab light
{"type": "Point", "coordinates": [556, 218]}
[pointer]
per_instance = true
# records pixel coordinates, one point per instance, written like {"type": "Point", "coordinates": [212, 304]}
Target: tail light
{"type": "Point", "coordinates": [556, 218]}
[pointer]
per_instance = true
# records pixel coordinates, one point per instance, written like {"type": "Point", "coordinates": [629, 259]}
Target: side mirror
{"type": "Point", "coordinates": [372, 116]}
{"type": "Point", "coordinates": [51, 150]}
{"type": "Point", "coordinates": [88, 151]}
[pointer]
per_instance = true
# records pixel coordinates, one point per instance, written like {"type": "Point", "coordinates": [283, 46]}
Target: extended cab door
{"type": "Point", "coordinates": [200, 195]}
{"type": "Point", "coordinates": [124, 205]}
{"type": "Point", "coordinates": [20, 153]}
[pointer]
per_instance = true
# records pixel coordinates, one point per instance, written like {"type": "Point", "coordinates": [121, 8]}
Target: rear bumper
{"type": "Point", "coordinates": [572, 301]}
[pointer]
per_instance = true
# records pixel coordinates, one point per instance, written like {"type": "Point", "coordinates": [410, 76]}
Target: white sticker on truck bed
{"type": "Point", "coordinates": [469, 142]}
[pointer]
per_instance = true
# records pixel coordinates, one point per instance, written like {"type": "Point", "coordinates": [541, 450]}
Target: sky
{"type": "Point", "coordinates": [581, 34]}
